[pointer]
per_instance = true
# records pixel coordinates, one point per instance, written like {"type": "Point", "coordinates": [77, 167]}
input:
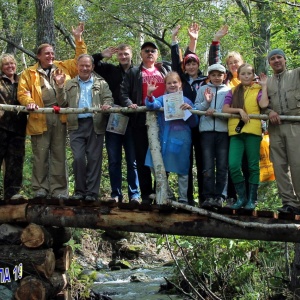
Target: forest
{"type": "Point", "coordinates": [214, 268]}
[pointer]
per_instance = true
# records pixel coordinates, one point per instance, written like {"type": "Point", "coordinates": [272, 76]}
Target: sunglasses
{"type": "Point", "coordinates": [150, 50]}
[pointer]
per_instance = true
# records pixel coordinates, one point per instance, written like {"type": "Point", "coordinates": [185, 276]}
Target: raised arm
{"type": "Point", "coordinates": [264, 100]}
{"type": "Point", "coordinates": [193, 32]}
{"type": "Point", "coordinates": [175, 51]}
{"type": "Point", "coordinates": [214, 50]}
{"type": "Point", "coordinates": [101, 67]}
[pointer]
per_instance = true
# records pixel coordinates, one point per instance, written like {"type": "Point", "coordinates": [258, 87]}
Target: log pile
{"type": "Point", "coordinates": [36, 259]}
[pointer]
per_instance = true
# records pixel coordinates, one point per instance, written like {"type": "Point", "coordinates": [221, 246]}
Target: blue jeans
{"type": "Point", "coordinates": [114, 144]}
{"type": "Point", "coordinates": [215, 163]}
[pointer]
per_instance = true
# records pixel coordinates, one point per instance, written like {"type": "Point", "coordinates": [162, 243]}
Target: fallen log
{"type": "Point", "coordinates": [63, 258]}
{"type": "Point", "coordinates": [40, 262]}
{"type": "Point", "coordinates": [34, 236]}
{"type": "Point", "coordinates": [169, 222]}
{"type": "Point", "coordinates": [32, 288]}
{"type": "Point", "coordinates": [10, 234]}
{"type": "Point", "coordinates": [13, 213]}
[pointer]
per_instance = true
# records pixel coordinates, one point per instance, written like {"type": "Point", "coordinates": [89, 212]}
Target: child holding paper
{"type": "Point", "coordinates": [175, 135]}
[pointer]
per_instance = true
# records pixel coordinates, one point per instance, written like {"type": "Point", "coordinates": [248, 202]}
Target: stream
{"type": "Point", "coordinates": [117, 284]}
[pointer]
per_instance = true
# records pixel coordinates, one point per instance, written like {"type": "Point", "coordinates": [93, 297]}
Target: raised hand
{"type": "Point", "coordinates": [193, 31]}
{"type": "Point", "coordinates": [221, 33]}
{"type": "Point", "coordinates": [208, 94]}
{"type": "Point", "coordinates": [59, 77]}
{"type": "Point", "coordinates": [77, 32]}
{"type": "Point", "coordinates": [263, 78]}
{"type": "Point", "coordinates": [175, 31]}
{"type": "Point", "coordinates": [151, 87]}
{"type": "Point", "coordinates": [109, 52]}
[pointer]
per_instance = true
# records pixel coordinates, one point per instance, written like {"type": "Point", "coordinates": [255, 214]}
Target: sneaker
{"type": "Point", "coordinates": [18, 197]}
{"type": "Point", "coordinates": [90, 198]}
{"type": "Point", "coordinates": [218, 202]}
{"type": "Point", "coordinates": [152, 196]}
{"type": "Point", "coordinates": [113, 199]}
{"type": "Point", "coordinates": [60, 197]}
{"type": "Point", "coordinates": [183, 201]}
{"type": "Point", "coordinates": [41, 194]}
{"type": "Point", "coordinates": [77, 196]}
{"type": "Point", "coordinates": [288, 209]}
{"type": "Point", "coordinates": [135, 201]}
{"type": "Point", "coordinates": [208, 203]}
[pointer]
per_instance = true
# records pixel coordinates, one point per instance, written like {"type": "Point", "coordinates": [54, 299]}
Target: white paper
{"type": "Point", "coordinates": [172, 103]}
{"type": "Point", "coordinates": [117, 123]}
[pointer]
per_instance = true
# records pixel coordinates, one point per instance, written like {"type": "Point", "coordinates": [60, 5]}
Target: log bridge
{"type": "Point", "coordinates": [171, 218]}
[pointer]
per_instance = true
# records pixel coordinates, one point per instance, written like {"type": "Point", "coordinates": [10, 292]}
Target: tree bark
{"type": "Point", "coordinates": [35, 236]}
{"type": "Point", "coordinates": [40, 262]}
{"type": "Point", "coordinates": [45, 22]}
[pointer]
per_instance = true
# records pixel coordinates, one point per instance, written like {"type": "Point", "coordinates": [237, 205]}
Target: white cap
{"type": "Point", "coordinates": [216, 67]}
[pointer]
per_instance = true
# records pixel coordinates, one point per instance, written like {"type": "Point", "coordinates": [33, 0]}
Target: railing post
{"type": "Point", "coordinates": [158, 164]}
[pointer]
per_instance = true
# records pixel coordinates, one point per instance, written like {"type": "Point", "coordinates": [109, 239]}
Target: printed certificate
{"type": "Point", "coordinates": [172, 103]}
{"type": "Point", "coordinates": [117, 123]}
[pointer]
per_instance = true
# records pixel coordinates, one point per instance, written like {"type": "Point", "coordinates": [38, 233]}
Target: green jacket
{"type": "Point", "coordinates": [101, 95]}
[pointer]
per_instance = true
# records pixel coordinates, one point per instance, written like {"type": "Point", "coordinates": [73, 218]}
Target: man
{"type": "Point", "coordinates": [48, 132]}
{"type": "Point", "coordinates": [133, 94]}
{"type": "Point", "coordinates": [12, 130]}
{"type": "Point", "coordinates": [86, 130]}
{"type": "Point", "coordinates": [113, 75]}
{"type": "Point", "coordinates": [283, 92]}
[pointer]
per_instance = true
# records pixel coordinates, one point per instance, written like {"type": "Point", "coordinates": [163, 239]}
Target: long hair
{"type": "Point", "coordinates": [233, 54]}
{"type": "Point", "coordinates": [173, 74]}
{"type": "Point", "coordinates": [6, 57]}
{"type": "Point", "coordinates": [238, 93]}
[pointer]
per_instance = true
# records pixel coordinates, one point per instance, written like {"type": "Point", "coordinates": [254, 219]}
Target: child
{"type": "Point", "coordinates": [245, 134]}
{"type": "Point", "coordinates": [175, 135]}
{"type": "Point", "coordinates": [213, 137]}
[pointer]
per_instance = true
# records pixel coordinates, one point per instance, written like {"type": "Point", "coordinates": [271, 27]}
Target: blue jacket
{"type": "Point", "coordinates": [175, 139]}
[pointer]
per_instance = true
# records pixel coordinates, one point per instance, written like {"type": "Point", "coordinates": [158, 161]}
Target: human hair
{"type": "Point", "coordinates": [233, 54]}
{"type": "Point", "coordinates": [124, 46]}
{"type": "Point", "coordinates": [85, 55]}
{"type": "Point", "coordinates": [238, 94]}
{"type": "Point", "coordinates": [5, 57]}
{"type": "Point", "coordinates": [172, 74]}
{"type": "Point", "coordinates": [41, 47]}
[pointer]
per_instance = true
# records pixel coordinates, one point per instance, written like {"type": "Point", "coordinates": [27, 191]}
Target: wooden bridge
{"type": "Point", "coordinates": [173, 218]}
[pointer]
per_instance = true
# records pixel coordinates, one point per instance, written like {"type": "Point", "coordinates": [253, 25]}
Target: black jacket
{"type": "Point", "coordinates": [112, 74]}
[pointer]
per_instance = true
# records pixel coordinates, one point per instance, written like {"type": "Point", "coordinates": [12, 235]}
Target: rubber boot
{"type": "Point", "coordinates": [250, 205]}
{"type": "Point", "coordinates": [240, 189]}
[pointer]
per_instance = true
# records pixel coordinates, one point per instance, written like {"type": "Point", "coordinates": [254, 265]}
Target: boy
{"type": "Point", "coordinates": [213, 137]}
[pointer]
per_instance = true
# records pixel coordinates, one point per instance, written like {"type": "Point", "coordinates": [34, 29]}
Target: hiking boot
{"type": "Point", "coordinates": [135, 201]}
{"type": "Point", "coordinates": [77, 196]}
{"type": "Point", "coordinates": [40, 194]}
{"type": "Point", "coordinates": [288, 209]}
{"type": "Point", "coordinates": [18, 197]}
{"type": "Point", "coordinates": [218, 202]}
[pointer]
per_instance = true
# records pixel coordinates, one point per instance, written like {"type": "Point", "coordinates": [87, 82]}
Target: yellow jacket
{"type": "Point", "coordinates": [251, 107]}
{"type": "Point", "coordinates": [29, 89]}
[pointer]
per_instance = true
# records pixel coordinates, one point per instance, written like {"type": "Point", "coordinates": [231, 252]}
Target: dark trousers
{"type": "Point", "coordinates": [196, 153]}
{"type": "Point", "coordinates": [12, 152]}
{"type": "Point", "coordinates": [114, 144]}
{"type": "Point", "coordinates": [87, 148]}
{"type": "Point", "coordinates": [144, 173]}
{"type": "Point", "coordinates": [215, 163]}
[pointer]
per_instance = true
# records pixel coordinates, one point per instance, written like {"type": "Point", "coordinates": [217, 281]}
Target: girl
{"type": "Point", "coordinates": [245, 136]}
{"type": "Point", "coordinates": [175, 135]}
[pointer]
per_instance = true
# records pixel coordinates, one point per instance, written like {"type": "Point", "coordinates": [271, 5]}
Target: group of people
{"type": "Point", "coordinates": [226, 151]}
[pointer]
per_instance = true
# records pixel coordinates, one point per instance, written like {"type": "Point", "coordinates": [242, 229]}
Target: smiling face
{"type": "Point", "coordinates": [173, 82]}
{"type": "Point", "coordinates": [216, 77]}
{"type": "Point", "coordinates": [234, 61]}
{"type": "Point", "coordinates": [46, 56]}
{"type": "Point", "coordinates": [8, 66]}
{"type": "Point", "coordinates": [277, 63]}
{"type": "Point", "coordinates": [191, 68]}
{"type": "Point", "coordinates": [149, 56]}
{"type": "Point", "coordinates": [124, 57]}
{"type": "Point", "coordinates": [85, 67]}
{"type": "Point", "coordinates": [246, 74]}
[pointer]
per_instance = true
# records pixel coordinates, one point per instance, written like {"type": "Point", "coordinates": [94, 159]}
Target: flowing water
{"type": "Point", "coordinates": [117, 284]}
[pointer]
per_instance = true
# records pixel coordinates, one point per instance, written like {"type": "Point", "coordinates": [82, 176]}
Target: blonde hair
{"type": "Point", "coordinates": [233, 54]}
{"type": "Point", "coordinates": [172, 74]}
{"type": "Point", "coordinates": [6, 57]}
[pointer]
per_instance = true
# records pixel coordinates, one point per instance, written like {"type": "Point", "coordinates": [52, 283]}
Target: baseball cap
{"type": "Point", "coordinates": [149, 44]}
{"type": "Point", "coordinates": [216, 67]}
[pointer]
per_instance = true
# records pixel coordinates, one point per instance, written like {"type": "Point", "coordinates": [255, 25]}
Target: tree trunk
{"type": "Point", "coordinates": [32, 288]}
{"type": "Point", "coordinates": [34, 236]}
{"type": "Point", "coordinates": [40, 262]}
{"type": "Point", "coordinates": [45, 22]}
{"type": "Point", "coordinates": [158, 164]}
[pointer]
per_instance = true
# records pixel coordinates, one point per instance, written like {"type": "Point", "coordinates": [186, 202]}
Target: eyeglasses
{"type": "Point", "coordinates": [150, 50]}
